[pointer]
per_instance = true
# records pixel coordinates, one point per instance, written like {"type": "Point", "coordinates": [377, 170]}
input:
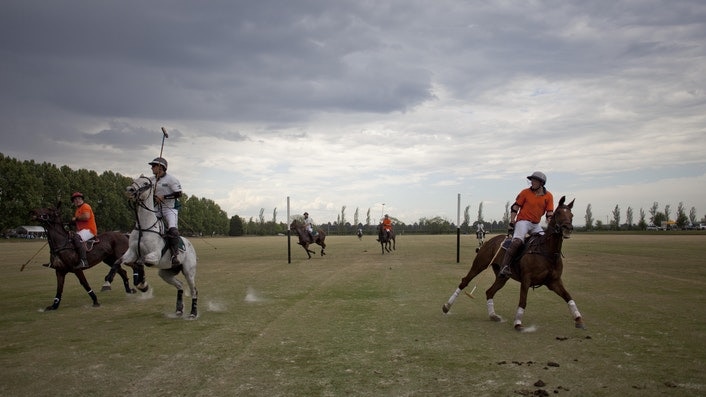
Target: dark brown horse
{"type": "Point", "coordinates": [304, 239]}
{"type": "Point", "coordinates": [540, 264]}
{"type": "Point", "coordinates": [106, 247]}
{"type": "Point", "coordinates": [387, 240]}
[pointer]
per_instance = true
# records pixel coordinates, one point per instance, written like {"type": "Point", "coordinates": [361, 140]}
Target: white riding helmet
{"type": "Point", "coordinates": [538, 176]}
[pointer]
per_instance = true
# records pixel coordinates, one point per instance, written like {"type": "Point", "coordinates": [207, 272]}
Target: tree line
{"type": "Point", "coordinates": [25, 185]}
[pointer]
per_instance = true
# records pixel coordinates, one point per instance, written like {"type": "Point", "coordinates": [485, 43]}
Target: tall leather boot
{"type": "Point", "coordinates": [505, 270]}
{"type": "Point", "coordinates": [311, 237]}
{"type": "Point", "coordinates": [173, 240]}
{"type": "Point", "coordinates": [81, 250]}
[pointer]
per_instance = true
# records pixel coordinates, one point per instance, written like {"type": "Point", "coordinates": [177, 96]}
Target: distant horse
{"type": "Point", "coordinates": [387, 240]}
{"type": "Point", "coordinates": [147, 244]}
{"type": "Point", "coordinates": [539, 264]}
{"type": "Point", "coordinates": [304, 239]}
{"type": "Point", "coordinates": [106, 247]}
{"type": "Point", "coordinates": [360, 234]}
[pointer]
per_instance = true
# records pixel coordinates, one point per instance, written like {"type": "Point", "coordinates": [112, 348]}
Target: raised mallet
{"type": "Point", "coordinates": [164, 135]}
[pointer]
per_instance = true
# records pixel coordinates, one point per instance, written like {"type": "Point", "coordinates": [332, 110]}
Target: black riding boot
{"type": "Point", "coordinates": [311, 237]}
{"type": "Point", "coordinates": [81, 250]}
{"type": "Point", "coordinates": [509, 256]}
{"type": "Point", "coordinates": [173, 240]}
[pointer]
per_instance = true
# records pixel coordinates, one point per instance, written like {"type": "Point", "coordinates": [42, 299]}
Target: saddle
{"type": "Point", "coordinates": [531, 245]}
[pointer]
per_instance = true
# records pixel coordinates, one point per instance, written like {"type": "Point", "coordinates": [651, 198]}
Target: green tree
{"type": "Point", "coordinates": [628, 217]}
{"type": "Point", "coordinates": [236, 226]}
{"type": "Point", "coordinates": [616, 218]}
{"type": "Point", "coordinates": [588, 218]}
{"type": "Point", "coordinates": [682, 219]}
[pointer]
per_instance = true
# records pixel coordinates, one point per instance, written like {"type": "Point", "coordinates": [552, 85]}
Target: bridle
{"type": "Point", "coordinates": [566, 224]}
{"type": "Point", "coordinates": [134, 192]}
{"type": "Point", "coordinates": [48, 220]}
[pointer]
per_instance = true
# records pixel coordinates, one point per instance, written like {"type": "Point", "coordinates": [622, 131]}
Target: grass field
{"type": "Point", "coordinates": [357, 323]}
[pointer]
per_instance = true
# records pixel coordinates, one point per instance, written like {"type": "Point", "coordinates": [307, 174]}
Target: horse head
{"type": "Point", "coordinates": [45, 215]}
{"type": "Point", "coordinates": [140, 189]}
{"type": "Point", "coordinates": [295, 225]}
{"type": "Point", "coordinates": [561, 222]}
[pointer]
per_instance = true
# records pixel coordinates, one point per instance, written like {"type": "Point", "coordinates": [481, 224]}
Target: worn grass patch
{"type": "Point", "coordinates": [356, 322]}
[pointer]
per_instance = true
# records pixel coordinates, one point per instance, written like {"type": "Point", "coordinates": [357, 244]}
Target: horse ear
{"type": "Point", "coordinates": [561, 200]}
{"type": "Point", "coordinates": [571, 204]}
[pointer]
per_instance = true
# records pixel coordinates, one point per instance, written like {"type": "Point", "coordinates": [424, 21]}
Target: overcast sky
{"type": "Point", "coordinates": [388, 106]}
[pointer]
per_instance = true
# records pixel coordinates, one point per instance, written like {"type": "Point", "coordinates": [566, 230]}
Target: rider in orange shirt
{"type": "Point", "coordinates": [387, 225]}
{"type": "Point", "coordinates": [85, 227]}
{"type": "Point", "coordinates": [525, 214]}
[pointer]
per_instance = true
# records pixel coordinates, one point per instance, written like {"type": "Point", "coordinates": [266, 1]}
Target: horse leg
{"type": "Point", "coordinates": [108, 279]}
{"type": "Point", "coordinates": [84, 283]}
{"type": "Point", "coordinates": [308, 251]}
{"type": "Point", "coordinates": [476, 268]}
{"type": "Point", "coordinates": [498, 284]}
{"type": "Point", "coordinates": [60, 277]}
{"type": "Point", "coordinates": [191, 280]}
{"type": "Point", "coordinates": [558, 288]}
{"type": "Point", "coordinates": [522, 305]}
{"type": "Point", "coordinates": [138, 277]}
{"type": "Point", "coordinates": [169, 276]}
{"type": "Point", "coordinates": [394, 244]}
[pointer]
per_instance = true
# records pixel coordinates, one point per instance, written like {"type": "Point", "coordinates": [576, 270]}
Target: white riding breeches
{"type": "Point", "coordinates": [523, 228]}
{"type": "Point", "coordinates": [85, 234]}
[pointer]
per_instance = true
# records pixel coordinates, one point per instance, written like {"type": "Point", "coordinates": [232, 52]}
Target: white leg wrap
{"type": "Point", "coordinates": [491, 307]}
{"type": "Point", "coordinates": [453, 297]}
{"type": "Point", "coordinates": [518, 316]}
{"type": "Point", "coordinates": [573, 309]}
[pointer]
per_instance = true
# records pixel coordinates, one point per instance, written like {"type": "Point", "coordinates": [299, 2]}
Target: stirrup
{"type": "Point", "coordinates": [505, 272]}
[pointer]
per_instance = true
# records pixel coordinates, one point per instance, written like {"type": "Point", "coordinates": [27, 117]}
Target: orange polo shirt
{"type": "Point", "coordinates": [90, 224]}
{"type": "Point", "coordinates": [533, 207]}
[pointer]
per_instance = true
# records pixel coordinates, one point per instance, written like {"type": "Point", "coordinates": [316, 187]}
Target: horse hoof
{"type": "Point", "coordinates": [580, 325]}
{"type": "Point", "coordinates": [445, 308]}
{"type": "Point", "coordinates": [143, 287]}
{"type": "Point", "coordinates": [133, 291]}
{"type": "Point", "coordinates": [106, 288]}
{"type": "Point", "coordinates": [519, 327]}
{"type": "Point", "coordinates": [48, 308]}
{"type": "Point", "coordinates": [96, 304]}
{"type": "Point", "coordinates": [496, 318]}
{"type": "Point", "coordinates": [192, 316]}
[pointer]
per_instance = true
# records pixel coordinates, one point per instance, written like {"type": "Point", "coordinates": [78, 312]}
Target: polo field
{"type": "Point", "coordinates": [358, 323]}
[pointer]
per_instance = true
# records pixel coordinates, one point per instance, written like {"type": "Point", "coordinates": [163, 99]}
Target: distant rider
{"type": "Point", "coordinates": [309, 226]}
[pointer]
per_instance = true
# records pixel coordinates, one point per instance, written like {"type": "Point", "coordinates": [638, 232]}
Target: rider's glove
{"type": "Point", "coordinates": [511, 229]}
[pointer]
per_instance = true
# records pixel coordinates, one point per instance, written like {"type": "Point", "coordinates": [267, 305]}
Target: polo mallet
{"type": "Point", "coordinates": [164, 135]}
{"type": "Point", "coordinates": [35, 254]}
{"type": "Point", "coordinates": [470, 295]}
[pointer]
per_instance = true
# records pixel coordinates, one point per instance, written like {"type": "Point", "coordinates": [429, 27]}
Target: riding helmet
{"type": "Point", "coordinates": [159, 161]}
{"type": "Point", "coordinates": [76, 194]}
{"type": "Point", "coordinates": [306, 213]}
{"type": "Point", "coordinates": [538, 176]}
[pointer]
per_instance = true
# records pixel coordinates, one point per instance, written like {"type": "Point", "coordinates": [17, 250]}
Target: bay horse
{"type": "Point", "coordinates": [106, 247]}
{"type": "Point", "coordinates": [387, 240]}
{"type": "Point", "coordinates": [147, 245]}
{"type": "Point", "coordinates": [305, 240]}
{"type": "Point", "coordinates": [539, 264]}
